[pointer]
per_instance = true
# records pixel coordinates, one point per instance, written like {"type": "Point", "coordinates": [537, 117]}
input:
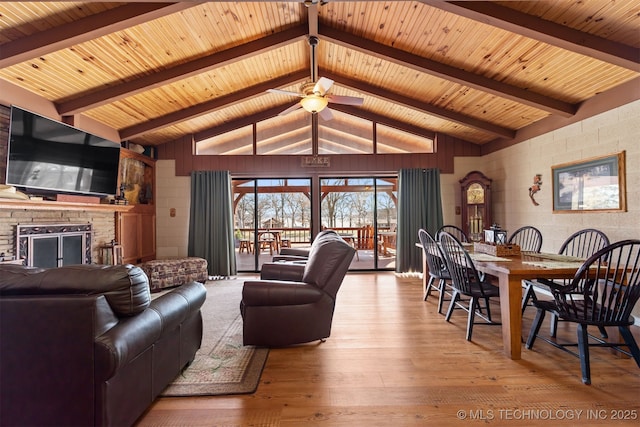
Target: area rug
{"type": "Point", "coordinates": [223, 365]}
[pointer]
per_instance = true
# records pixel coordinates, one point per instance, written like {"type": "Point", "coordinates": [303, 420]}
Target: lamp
{"type": "Point", "coordinates": [314, 103]}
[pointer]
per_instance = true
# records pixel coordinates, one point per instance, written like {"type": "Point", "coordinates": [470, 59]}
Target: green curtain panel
{"type": "Point", "coordinates": [419, 206]}
{"type": "Point", "coordinates": [211, 221]}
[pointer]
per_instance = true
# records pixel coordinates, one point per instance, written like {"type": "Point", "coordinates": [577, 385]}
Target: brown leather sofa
{"type": "Point", "coordinates": [84, 345]}
{"type": "Point", "coordinates": [293, 303]}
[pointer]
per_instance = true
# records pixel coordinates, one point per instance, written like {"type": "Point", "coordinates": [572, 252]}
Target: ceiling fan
{"type": "Point", "coordinates": [314, 95]}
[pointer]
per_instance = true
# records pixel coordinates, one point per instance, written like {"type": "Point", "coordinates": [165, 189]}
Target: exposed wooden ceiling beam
{"type": "Point", "coordinates": [377, 118]}
{"type": "Point", "coordinates": [85, 29]}
{"type": "Point", "coordinates": [208, 107]}
{"type": "Point", "coordinates": [447, 72]}
{"type": "Point", "coordinates": [544, 31]}
{"type": "Point", "coordinates": [182, 71]}
{"type": "Point", "coordinates": [420, 105]}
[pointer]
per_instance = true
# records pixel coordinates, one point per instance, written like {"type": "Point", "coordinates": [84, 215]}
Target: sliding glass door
{"type": "Point", "coordinates": [363, 211]}
{"type": "Point", "coordinates": [270, 214]}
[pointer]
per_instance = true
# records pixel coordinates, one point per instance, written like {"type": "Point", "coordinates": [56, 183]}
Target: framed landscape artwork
{"type": "Point", "coordinates": [596, 184]}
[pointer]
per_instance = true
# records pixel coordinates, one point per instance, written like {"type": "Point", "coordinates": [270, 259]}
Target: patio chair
{"type": "Point", "coordinates": [602, 293]}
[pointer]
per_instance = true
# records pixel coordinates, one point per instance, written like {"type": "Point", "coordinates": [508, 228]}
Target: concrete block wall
{"type": "Point", "coordinates": [172, 198]}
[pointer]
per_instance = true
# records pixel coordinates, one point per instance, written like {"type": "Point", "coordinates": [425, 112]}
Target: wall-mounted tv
{"type": "Point", "coordinates": [47, 156]}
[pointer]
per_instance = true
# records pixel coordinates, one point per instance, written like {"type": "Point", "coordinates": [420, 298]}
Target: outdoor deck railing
{"type": "Point", "coordinates": [362, 236]}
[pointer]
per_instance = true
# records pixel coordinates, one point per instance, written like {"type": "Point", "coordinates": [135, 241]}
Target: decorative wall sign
{"type": "Point", "coordinates": [316, 162]}
{"type": "Point", "coordinates": [596, 184]}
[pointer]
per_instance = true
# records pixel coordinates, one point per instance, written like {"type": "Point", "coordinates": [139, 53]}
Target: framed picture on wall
{"type": "Point", "coordinates": [595, 184]}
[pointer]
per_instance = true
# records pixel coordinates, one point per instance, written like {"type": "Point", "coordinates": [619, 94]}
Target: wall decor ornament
{"type": "Point", "coordinates": [537, 182]}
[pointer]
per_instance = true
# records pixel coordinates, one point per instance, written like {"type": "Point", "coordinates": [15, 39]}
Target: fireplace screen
{"type": "Point", "coordinates": [49, 246]}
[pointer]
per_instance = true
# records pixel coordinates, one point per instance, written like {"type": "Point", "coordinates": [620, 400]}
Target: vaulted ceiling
{"type": "Point", "coordinates": [477, 71]}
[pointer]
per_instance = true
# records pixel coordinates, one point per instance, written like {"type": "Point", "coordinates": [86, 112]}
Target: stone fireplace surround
{"type": "Point", "coordinates": [54, 245]}
{"type": "Point", "coordinates": [103, 226]}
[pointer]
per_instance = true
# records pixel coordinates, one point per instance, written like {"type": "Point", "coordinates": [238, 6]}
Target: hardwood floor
{"type": "Point", "coordinates": [392, 360]}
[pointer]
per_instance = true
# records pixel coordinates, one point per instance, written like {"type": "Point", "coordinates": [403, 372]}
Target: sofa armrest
{"type": "Point", "coordinates": [278, 293]}
{"type": "Point", "coordinates": [133, 335]}
{"type": "Point", "coordinates": [289, 258]}
{"type": "Point", "coordinates": [124, 342]}
{"type": "Point", "coordinates": [301, 252]}
{"type": "Point", "coordinates": [282, 271]}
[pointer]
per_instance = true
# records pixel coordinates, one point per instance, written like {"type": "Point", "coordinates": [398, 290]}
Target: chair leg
{"type": "Point", "coordinates": [535, 328]}
{"type": "Point", "coordinates": [454, 299]}
{"type": "Point", "coordinates": [603, 332]}
{"type": "Point", "coordinates": [442, 286]}
{"type": "Point", "coordinates": [631, 343]}
{"type": "Point", "coordinates": [486, 301]}
{"type": "Point", "coordinates": [473, 305]}
{"type": "Point", "coordinates": [529, 294]}
{"type": "Point", "coordinates": [583, 347]}
{"type": "Point", "coordinates": [553, 328]}
{"type": "Point", "coordinates": [427, 291]}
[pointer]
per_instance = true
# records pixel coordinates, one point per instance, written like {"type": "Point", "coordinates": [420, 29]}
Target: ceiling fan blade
{"type": "Point", "coordinates": [323, 85]}
{"type": "Point", "coordinates": [326, 114]}
{"type": "Point", "coordinates": [285, 92]}
{"type": "Point", "coordinates": [294, 107]}
{"type": "Point", "coordinates": [346, 100]}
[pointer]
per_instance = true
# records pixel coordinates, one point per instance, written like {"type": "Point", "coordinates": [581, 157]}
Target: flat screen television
{"type": "Point", "coordinates": [46, 156]}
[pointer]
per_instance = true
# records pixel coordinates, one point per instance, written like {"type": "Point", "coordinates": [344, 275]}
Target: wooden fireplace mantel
{"type": "Point", "coordinates": [48, 205]}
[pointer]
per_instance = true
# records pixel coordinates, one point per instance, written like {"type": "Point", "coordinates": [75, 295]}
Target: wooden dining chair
{"type": "Point", "coordinates": [439, 277]}
{"type": "Point", "coordinates": [528, 238]}
{"type": "Point", "coordinates": [466, 282]}
{"type": "Point", "coordinates": [581, 244]}
{"type": "Point", "coordinates": [455, 231]}
{"type": "Point", "coordinates": [602, 293]}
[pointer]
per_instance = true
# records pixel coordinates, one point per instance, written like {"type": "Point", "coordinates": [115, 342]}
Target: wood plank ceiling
{"type": "Point", "coordinates": [477, 71]}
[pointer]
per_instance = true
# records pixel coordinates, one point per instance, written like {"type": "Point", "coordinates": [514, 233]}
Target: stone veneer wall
{"type": "Point", "coordinates": [103, 222]}
{"type": "Point", "coordinates": [103, 226]}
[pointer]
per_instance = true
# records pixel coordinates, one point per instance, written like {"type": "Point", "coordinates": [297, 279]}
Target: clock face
{"type": "Point", "coordinates": [475, 194]}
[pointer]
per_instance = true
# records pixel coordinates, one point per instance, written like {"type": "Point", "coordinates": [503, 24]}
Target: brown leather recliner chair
{"type": "Point", "coordinates": [84, 345]}
{"type": "Point", "coordinates": [300, 254]}
{"type": "Point", "coordinates": [293, 303]}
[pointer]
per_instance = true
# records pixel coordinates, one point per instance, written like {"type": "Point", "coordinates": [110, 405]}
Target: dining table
{"type": "Point", "coordinates": [510, 272]}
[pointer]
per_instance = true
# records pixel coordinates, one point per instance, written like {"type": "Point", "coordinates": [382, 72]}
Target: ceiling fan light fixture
{"type": "Point", "coordinates": [314, 103]}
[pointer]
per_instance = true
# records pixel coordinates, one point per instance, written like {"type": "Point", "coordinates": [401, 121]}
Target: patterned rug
{"type": "Point", "coordinates": [222, 365]}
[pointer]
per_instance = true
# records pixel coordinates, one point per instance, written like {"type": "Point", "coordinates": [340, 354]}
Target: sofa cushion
{"type": "Point", "coordinates": [125, 287]}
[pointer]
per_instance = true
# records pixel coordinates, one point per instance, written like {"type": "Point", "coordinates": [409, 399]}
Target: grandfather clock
{"type": "Point", "coordinates": [476, 204]}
